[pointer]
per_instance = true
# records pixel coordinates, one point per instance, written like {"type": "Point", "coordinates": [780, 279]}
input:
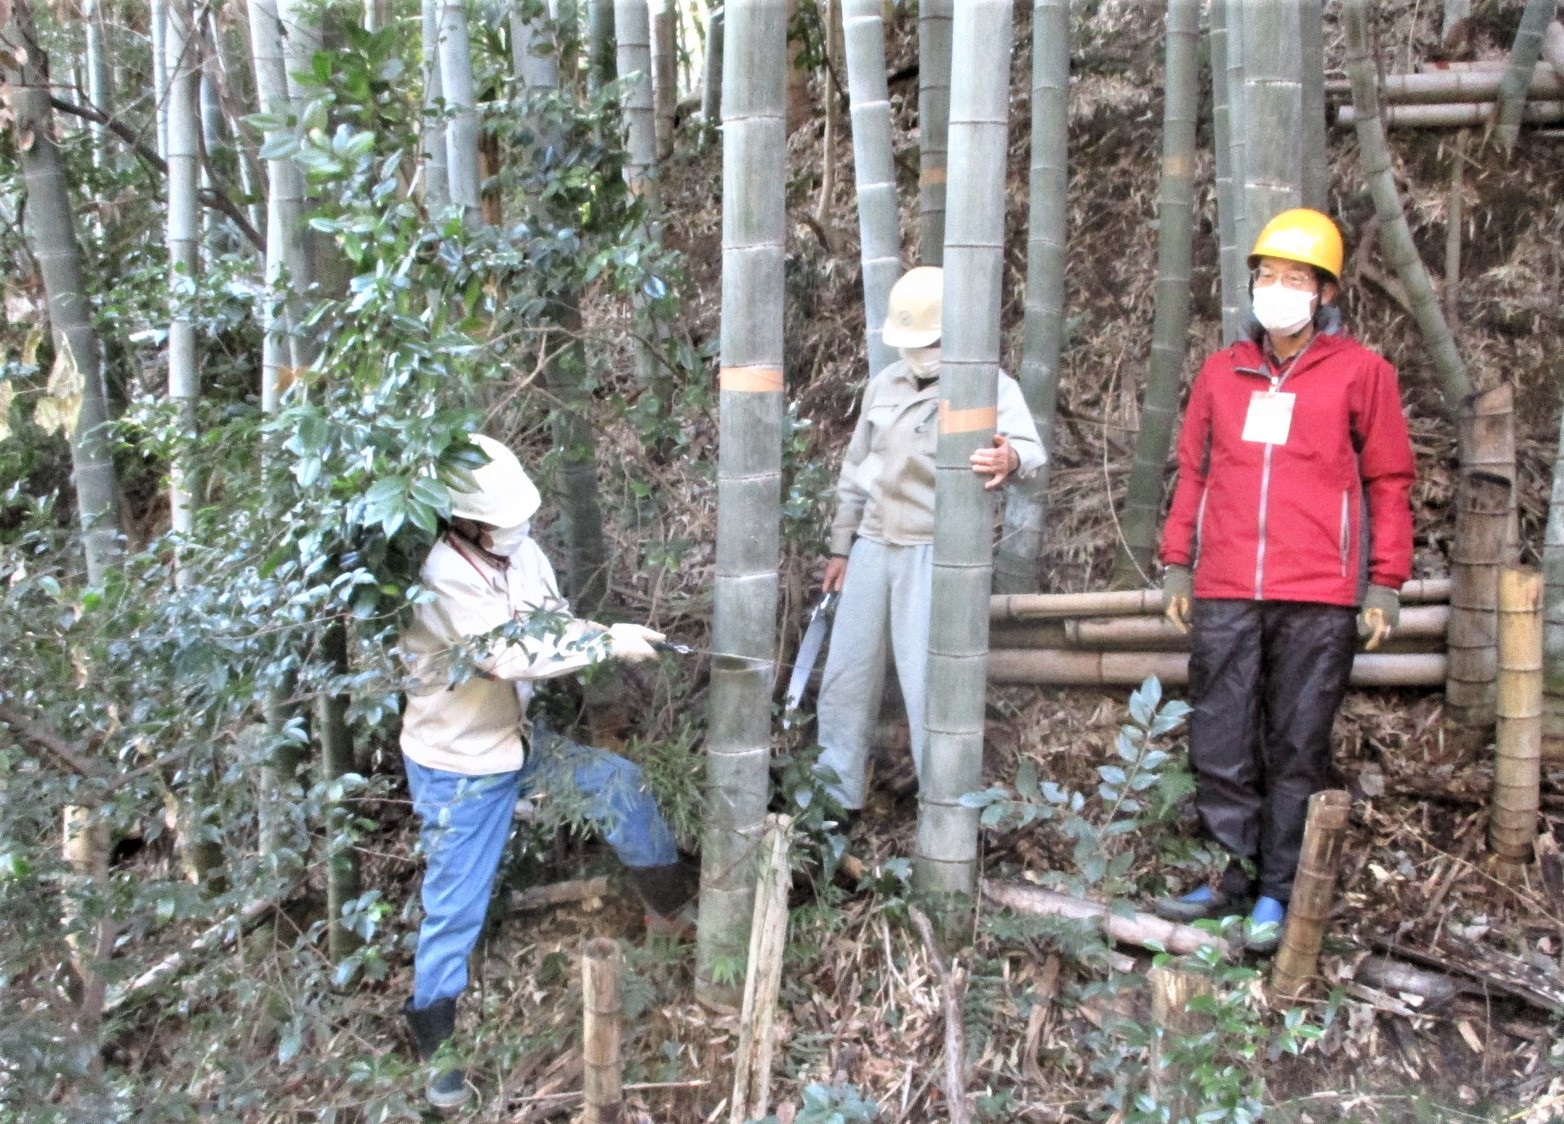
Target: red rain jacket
{"type": "Point", "coordinates": [1286, 522]}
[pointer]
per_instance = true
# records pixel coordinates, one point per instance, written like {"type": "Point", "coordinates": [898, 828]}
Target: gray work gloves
{"type": "Point", "coordinates": [1178, 586]}
{"type": "Point", "coordinates": [1381, 612]}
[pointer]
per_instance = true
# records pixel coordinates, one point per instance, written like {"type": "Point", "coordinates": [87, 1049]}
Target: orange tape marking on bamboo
{"type": "Point", "coordinates": [966, 421]}
{"type": "Point", "coordinates": [931, 176]}
{"type": "Point", "coordinates": [1177, 164]}
{"type": "Point", "coordinates": [750, 380]}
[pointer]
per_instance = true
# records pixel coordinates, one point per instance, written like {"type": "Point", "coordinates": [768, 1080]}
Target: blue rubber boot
{"type": "Point", "coordinates": [1197, 905]}
{"type": "Point", "coordinates": [1263, 929]}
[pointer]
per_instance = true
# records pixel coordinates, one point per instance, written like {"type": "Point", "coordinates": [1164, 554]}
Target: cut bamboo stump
{"type": "Point", "coordinates": [1144, 930]}
{"type": "Point", "coordinates": [1171, 991]}
{"type": "Point", "coordinates": [1079, 668]}
{"type": "Point", "coordinates": [763, 977]}
{"type": "Point", "coordinates": [1481, 521]}
{"type": "Point", "coordinates": [602, 1012]}
{"type": "Point", "coordinates": [1517, 773]}
{"type": "Point", "coordinates": [1313, 891]}
{"type": "Point", "coordinates": [1485, 442]}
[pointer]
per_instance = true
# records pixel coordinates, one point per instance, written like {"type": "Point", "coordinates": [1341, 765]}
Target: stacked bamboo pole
{"type": "Point", "coordinates": [1313, 890]}
{"type": "Point", "coordinates": [1517, 773]}
{"type": "Point", "coordinates": [1118, 638]}
{"type": "Point", "coordinates": [602, 1014]}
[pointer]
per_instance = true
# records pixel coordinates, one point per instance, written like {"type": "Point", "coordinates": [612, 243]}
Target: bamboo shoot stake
{"type": "Point", "coordinates": [1079, 668]}
{"type": "Point", "coordinates": [1535, 18]}
{"type": "Point", "coordinates": [1395, 237]}
{"type": "Point", "coordinates": [1171, 991]}
{"type": "Point", "coordinates": [874, 168]}
{"type": "Point", "coordinates": [1453, 115]}
{"type": "Point", "coordinates": [1517, 774]}
{"type": "Point", "coordinates": [1313, 891]}
{"type": "Point", "coordinates": [1481, 519]}
{"type": "Point", "coordinates": [1144, 930]}
{"type": "Point", "coordinates": [1439, 87]}
{"type": "Point", "coordinates": [602, 1016]}
{"type": "Point", "coordinates": [763, 977]}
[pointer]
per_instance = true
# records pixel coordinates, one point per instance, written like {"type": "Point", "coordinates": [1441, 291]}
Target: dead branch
{"type": "Point", "coordinates": [951, 989]}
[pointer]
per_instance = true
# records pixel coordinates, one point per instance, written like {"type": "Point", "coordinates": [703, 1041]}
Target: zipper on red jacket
{"type": "Point", "coordinates": [1265, 470]}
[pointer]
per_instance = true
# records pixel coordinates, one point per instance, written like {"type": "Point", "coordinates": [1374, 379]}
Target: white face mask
{"type": "Point", "coordinates": [923, 362]}
{"type": "Point", "coordinates": [1282, 311]}
{"type": "Point", "coordinates": [505, 541]}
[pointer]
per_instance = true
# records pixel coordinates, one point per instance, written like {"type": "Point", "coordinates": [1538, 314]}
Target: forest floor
{"type": "Point", "coordinates": [1045, 1012]}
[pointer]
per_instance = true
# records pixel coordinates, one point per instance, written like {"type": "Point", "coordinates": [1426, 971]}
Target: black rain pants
{"type": "Point", "coordinates": [1265, 681]}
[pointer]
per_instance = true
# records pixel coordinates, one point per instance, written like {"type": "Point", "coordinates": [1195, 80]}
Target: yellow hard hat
{"type": "Point", "coordinates": [1302, 235]}
{"type": "Point", "coordinates": [912, 314]}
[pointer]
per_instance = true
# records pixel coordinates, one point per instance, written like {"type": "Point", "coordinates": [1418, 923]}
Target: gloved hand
{"type": "Point", "coordinates": [1178, 586]}
{"type": "Point", "coordinates": [632, 642]}
{"type": "Point", "coordinates": [1381, 612]}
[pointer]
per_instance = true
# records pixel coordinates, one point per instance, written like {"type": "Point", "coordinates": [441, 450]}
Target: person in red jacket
{"type": "Point", "coordinates": [1289, 534]}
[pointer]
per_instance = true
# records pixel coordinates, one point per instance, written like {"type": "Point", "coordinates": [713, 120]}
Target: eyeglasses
{"type": "Point", "coordinates": [1302, 279]}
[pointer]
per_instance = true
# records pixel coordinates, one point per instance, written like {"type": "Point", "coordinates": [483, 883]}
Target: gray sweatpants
{"type": "Point", "coordinates": [884, 611]}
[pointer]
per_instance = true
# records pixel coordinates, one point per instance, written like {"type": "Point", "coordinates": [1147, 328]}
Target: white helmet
{"type": "Point", "coordinates": [505, 496]}
{"type": "Point", "coordinates": [912, 316]}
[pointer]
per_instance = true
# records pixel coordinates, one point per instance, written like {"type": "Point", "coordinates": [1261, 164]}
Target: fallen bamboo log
{"type": "Point", "coordinates": [1140, 602]}
{"type": "Point", "coordinates": [1144, 930]}
{"type": "Point", "coordinates": [1420, 622]}
{"type": "Point", "coordinates": [1313, 891]}
{"type": "Point", "coordinates": [1070, 668]}
{"type": "Point", "coordinates": [559, 893]}
{"type": "Point", "coordinates": [1517, 771]}
{"type": "Point", "coordinates": [1453, 115]}
{"type": "Point", "coordinates": [1439, 87]}
{"type": "Point", "coordinates": [602, 1014]}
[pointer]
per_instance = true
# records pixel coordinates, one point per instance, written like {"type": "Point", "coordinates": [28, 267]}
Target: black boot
{"type": "Point", "coordinates": [665, 890]}
{"type": "Point", "coordinates": [431, 1028]}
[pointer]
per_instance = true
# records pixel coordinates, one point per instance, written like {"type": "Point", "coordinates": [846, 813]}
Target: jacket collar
{"type": "Point", "coordinates": [1248, 355]}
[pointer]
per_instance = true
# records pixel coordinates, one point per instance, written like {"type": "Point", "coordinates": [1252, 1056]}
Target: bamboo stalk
{"type": "Point", "coordinates": [1453, 115]}
{"type": "Point", "coordinates": [711, 72]}
{"type": "Point", "coordinates": [1437, 87]}
{"type": "Point", "coordinates": [874, 168]}
{"type": "Point", "coordinates": [602, 1016]}
{"type": "Point", "coordinates": [1517, 774]}
{"type": "Point", "coordinates": [665, 75]}
{"type": "Point", "coordinates": [1313, 891]}
{"type": "Point", "coordinates": [934, 19]}
{"type": "Point", "coordinates": [1231, 261]}
{"type": "Point", "coordinates": [1395, 236]}
{"type": "Point", "coordinates": [1421, 622]}
{"type": "Point", "coordinates": [633, 54]}
{"type": "Point", "coordinates": [1535, 18]}
{"type": "Point", "coordinates": [1144, 930]}
{"type": "Point", "coordinates": [1485, 440]}
{"type": "Point", "coordinates": [1481, 520]}
{"type": "Point", "coordinates": [1080, 668]}
{"type": "Point", "coordinates": [763, 976]}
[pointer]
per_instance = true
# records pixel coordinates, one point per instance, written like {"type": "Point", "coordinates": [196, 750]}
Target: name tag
{"type": "Point", "coordinates": [1270, 417]}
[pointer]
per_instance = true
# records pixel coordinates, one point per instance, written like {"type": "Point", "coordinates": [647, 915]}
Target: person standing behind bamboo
{"type": "Point", "coordinates": [881, 543]}
{"type": "Point", "coordinates": [1290, 534]}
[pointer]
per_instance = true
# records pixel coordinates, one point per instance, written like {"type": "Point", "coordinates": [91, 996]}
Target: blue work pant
{"type": "Point", "coordinates": [465, 822]}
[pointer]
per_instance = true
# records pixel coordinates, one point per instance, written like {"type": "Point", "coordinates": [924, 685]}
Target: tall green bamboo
{"type": "Point", "coordinates": [749, 474]}
{"type": "Point", "coordinates": [711, 73]}
{"type": "Point", "coordinates": [183, 240]}
{"type": "Point", "coordinates": [1231, 259]}
{"type": "Point", "coordinates": [1395, 237]}
{"type": "Point", "coordinates": [437, 190]}
{"type": "Point", "coordinates": [1524, 53]}
{"type": "Point", "coordinates": [1026, 503]}
{"type": "Point", "coordinates": [633, 31]}
{"type": "Point", "coordinates": [1284, 152]}
{"type": "Point", "coordinates": [665, 73]}
{"type": "Point", "coordinates": [565, 374]}
{"type": "Point", "coordinates": [157, 27]}
{"type": "Point", "coordinates": [461, 126]}
{"type": "Point", "coordinates": [1170, 328]}
{"type": "Point", "coordinates": [874, 168]}
{"type": "Point", "coordinates": [51, 235]}
{"type": "Point", "coordinates": [945, 858]}
{"type": "Point", "coordinates": [934, 18]}
{"type": "Point", "coordinates": [99, 81]}
{"type": "Point", "coordinates": [602, 64]}
{"type": "Point", "coordinates": [1237, 153]}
